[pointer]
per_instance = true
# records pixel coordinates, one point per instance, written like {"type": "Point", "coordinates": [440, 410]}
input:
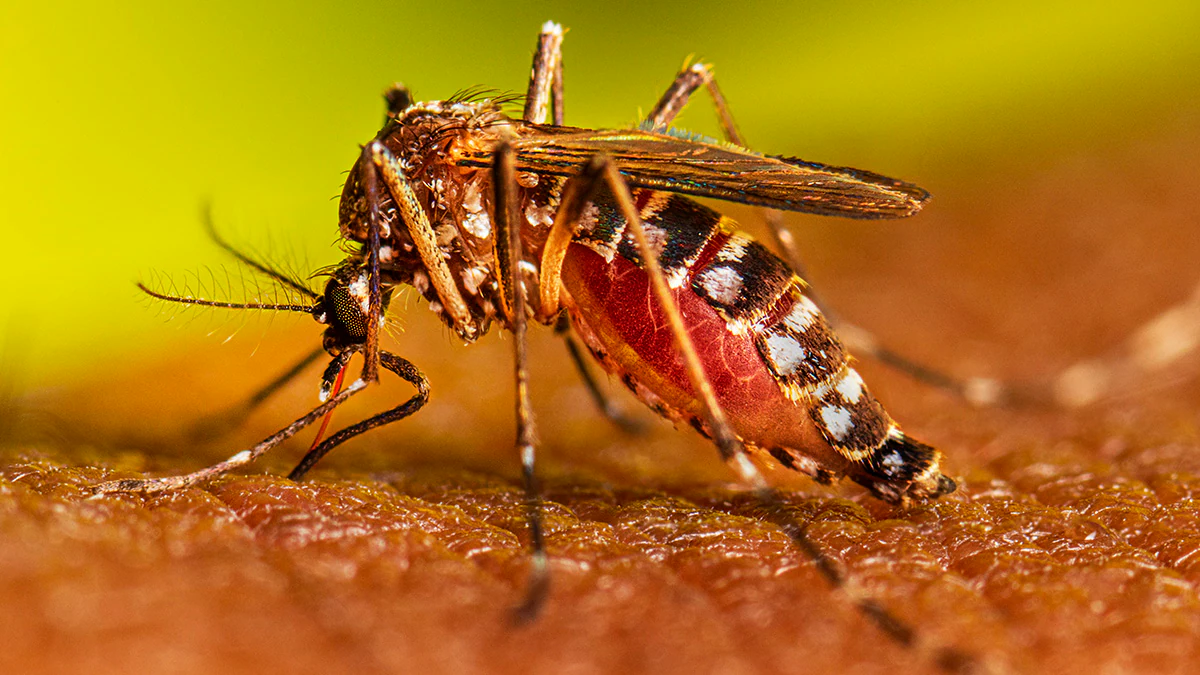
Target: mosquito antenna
{"type": "Point", "coordinates": [223, 305]}
{"type": "Point", "coordinates": [277, 275]}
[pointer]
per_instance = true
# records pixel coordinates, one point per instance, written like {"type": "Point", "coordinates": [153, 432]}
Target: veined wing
{"type": "Point", "coordinates": [662, 161]}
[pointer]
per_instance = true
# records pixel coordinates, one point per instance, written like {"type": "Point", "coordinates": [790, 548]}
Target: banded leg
{"type": "Point", "coordinates": [370, 183]}
{"type": "Point", "coordinates": [508, 245]}
{"type": "Point", "coordinates": [978, 391]}
{"type": "Point", "coordinates": [377, 158]}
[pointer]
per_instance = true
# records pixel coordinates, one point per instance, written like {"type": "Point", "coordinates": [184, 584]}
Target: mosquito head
{"type": "Point", "coordinates": [345, 307]}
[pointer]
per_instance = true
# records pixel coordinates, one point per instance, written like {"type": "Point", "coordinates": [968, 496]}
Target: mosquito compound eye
{"type": "Point", "coordinates": [348, 311]}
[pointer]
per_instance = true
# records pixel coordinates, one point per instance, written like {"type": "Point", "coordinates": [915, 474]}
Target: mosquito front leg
{"type": "Point", "coordinates": [545, 80]}
{"type": "Point", "coordinates": [239, 460]}
{"type": "Point", "coordinates": [371, 164]}
{"type": "Point", "coordinates": [400, 366]}
{"type": "Point", "coordinates": [378, 157]}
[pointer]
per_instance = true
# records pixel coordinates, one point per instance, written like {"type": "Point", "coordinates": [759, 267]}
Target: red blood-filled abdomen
{"type": "Point", "coordinates": [615, 310]}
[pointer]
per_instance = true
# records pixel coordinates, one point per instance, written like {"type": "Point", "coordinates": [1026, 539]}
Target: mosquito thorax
{"type": "Point", "coordinates": [424, 138]}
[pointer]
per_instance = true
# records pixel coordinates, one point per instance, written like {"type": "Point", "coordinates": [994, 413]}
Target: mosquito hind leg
{"type": "Point", "coordinates": [602, 169]}
{"type": "Point", "coordinates": [675, 99]}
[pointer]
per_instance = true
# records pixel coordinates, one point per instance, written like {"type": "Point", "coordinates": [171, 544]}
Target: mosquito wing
{"type": "Point", "coordinates": [705, 168]}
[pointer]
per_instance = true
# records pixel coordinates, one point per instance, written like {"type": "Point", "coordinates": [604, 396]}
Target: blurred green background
{"type": "Point", "coordinates": [117, 121]}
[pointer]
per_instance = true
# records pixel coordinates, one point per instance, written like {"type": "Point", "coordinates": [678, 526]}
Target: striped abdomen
{"type": "Point", "coordinates": [777, 368]}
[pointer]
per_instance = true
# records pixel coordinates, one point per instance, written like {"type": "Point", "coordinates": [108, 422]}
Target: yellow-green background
{"type": "Point", "coordinates": [118, 120]}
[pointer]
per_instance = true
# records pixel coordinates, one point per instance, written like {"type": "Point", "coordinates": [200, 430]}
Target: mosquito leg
{"type": "Point", "coordinates": [370, 183]}
{"type": "Point", "coordinates": [607, 407]}
{"type": "Point", "coordinates": [414, 217]}
{"type": "Point", "coordinates": [571, 205]}
{"type": "Point", "coordinates": [557, 91]}
{"type": "Point", "coordinates": [240, 459]}
{"type": "Point", "coordinates": [673, 101]}
{"type": "Point", "coordinates": [977, 391]}
{"type": "Point", "coordinates": [217, 424]}
{"type": "Point", "coordinates": [728, 444]}
{"type": "Point", "coordinates": [508, 238]}
{"type": "Point", "coordinates": [545, 80]}
{"type": "Point", "coordinates": [400, 366]}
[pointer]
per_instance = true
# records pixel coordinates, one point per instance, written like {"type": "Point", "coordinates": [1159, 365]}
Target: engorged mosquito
{"type": "Point", "coordinates": [499, 220]}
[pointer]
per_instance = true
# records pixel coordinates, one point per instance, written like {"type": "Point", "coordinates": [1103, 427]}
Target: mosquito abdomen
{"type": "Point", "coordinates": [776, 366]}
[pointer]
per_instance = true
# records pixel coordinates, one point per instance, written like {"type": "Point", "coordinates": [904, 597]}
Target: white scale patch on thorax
{"type": "Point", "coordinates": [723, 284]}
{"type": "Point", "coordinates": [472, 277]}
{"type": "Point", "coordinates": [539, 215]}
{"type": "Point", "coordinates": [361, 292]}
{"type": "Point", "coordinates": [420, 281]}
{"type": "Point", "coordinates": [472, 199]}
{"type": "Point", "coordinates": [478, 224]}
{"type": "Point", "coordinates": [476, 220]}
